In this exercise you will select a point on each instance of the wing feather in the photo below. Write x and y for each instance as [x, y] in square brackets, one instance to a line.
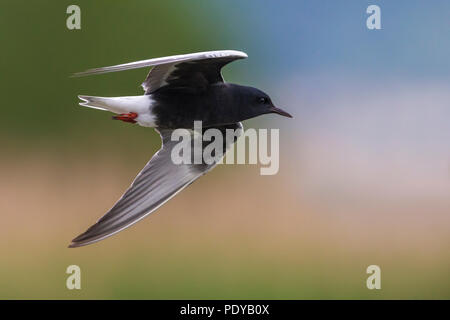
[158, 181]
[193, 69]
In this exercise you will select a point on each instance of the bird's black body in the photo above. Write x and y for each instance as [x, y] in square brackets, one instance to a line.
[215, 105]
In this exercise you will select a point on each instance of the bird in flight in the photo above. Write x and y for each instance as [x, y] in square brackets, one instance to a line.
[179, 90]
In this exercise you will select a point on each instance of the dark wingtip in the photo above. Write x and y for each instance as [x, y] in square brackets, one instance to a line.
[75, 244]
[79, 74]
[87, 73]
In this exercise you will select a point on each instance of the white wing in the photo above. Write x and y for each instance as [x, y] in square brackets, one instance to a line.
[193, 69]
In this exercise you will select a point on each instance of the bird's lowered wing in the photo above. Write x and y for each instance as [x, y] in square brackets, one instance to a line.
[160, 180]
[186, 70]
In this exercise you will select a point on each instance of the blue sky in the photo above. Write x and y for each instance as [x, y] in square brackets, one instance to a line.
[325, 35]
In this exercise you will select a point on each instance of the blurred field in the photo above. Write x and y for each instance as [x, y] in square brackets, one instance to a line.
[253, 238]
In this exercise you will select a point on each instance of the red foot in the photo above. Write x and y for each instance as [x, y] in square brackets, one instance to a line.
[126, 117]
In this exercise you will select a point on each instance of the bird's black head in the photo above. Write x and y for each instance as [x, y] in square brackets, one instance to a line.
[254, 102]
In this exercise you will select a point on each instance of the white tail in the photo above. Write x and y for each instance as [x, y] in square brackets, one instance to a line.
[137, 104]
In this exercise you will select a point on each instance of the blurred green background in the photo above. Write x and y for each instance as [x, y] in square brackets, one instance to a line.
[364, 164]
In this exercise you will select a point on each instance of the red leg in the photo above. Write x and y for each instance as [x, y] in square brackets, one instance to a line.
[127, 117]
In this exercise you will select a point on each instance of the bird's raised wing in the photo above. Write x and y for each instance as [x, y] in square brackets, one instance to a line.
[160, 180]
[186, 70]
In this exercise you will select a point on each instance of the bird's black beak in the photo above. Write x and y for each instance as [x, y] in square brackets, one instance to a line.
[279, 111]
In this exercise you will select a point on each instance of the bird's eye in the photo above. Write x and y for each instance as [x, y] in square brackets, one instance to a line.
[263, 100]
